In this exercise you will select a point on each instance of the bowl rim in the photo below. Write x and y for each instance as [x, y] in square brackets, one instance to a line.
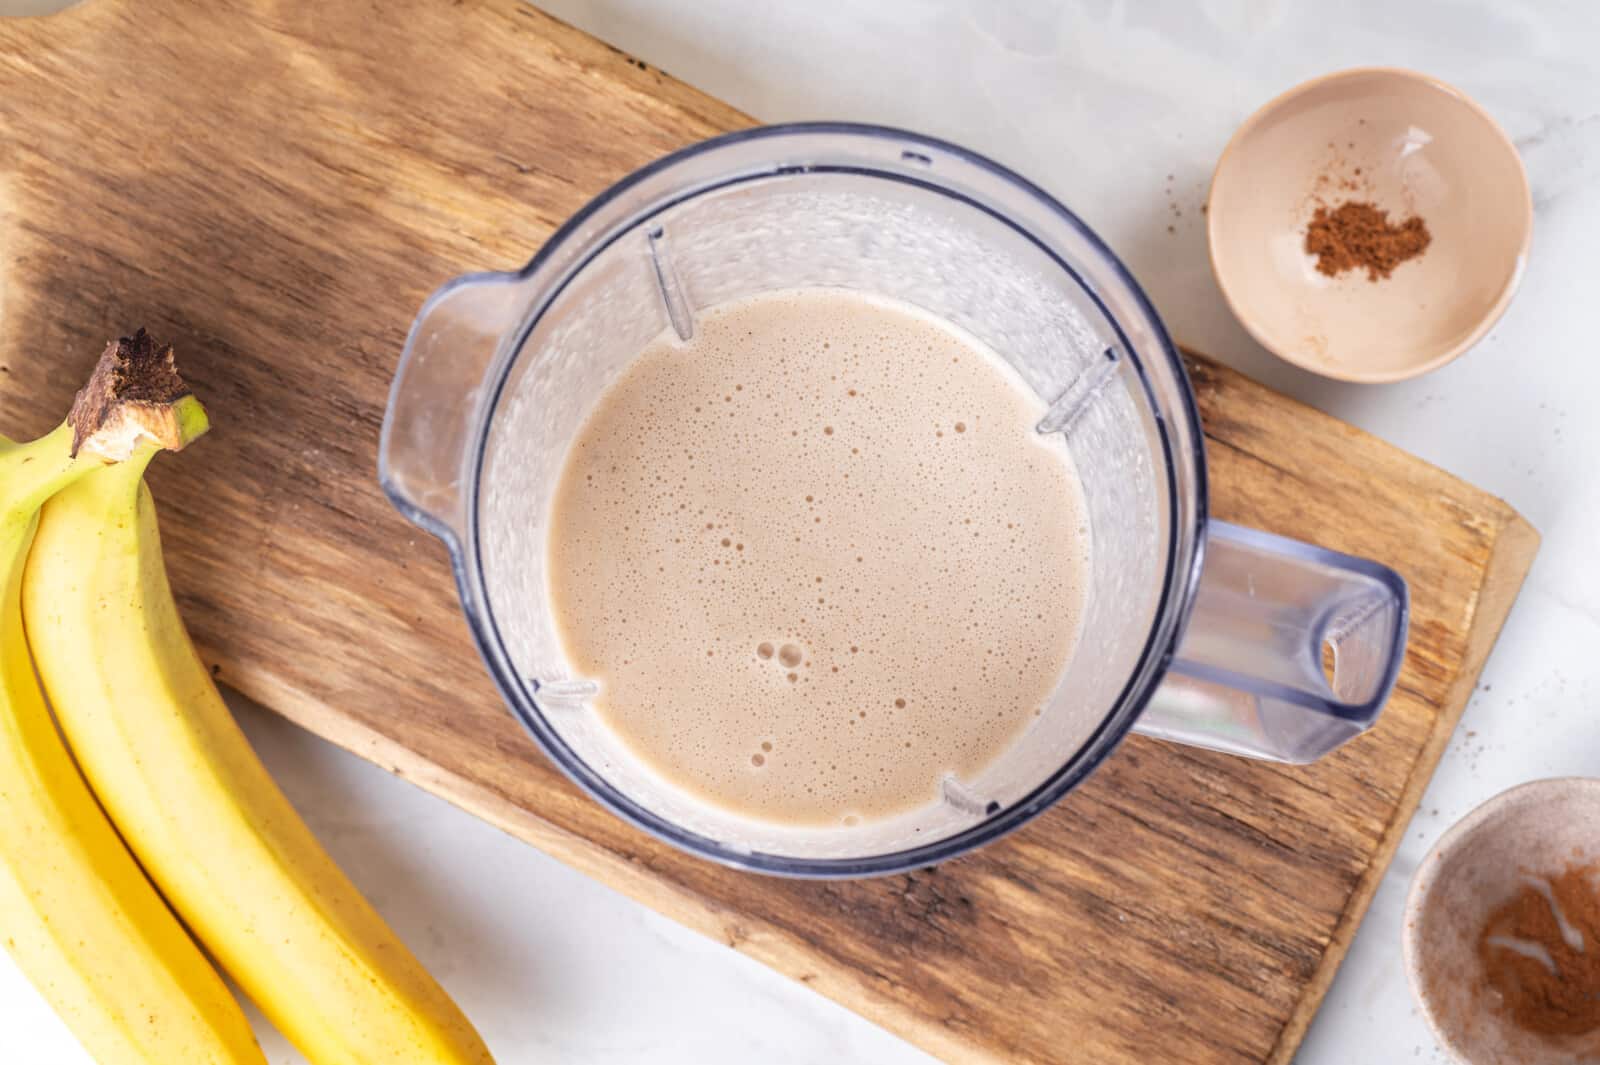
[1424, 880]
[1486, 322]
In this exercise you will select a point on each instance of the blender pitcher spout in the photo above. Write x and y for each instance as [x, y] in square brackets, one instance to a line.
[1291, 650]
[438, 396]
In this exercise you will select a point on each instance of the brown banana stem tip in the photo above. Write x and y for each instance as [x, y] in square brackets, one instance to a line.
[135, 394]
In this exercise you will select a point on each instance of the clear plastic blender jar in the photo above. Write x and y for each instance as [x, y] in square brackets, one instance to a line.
[1196, 631]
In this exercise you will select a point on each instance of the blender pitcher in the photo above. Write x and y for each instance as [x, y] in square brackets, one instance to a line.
[1195, 630]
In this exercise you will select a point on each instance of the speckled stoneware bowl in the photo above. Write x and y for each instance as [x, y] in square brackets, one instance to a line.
[1410, 145]
[1534, 829]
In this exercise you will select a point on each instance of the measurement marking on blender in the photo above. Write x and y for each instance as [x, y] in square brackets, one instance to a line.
[1071, 404]
[957, 795]
[565, 694]
[669, 287]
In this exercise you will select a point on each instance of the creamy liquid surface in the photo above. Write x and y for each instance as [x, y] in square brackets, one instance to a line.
[817, 558]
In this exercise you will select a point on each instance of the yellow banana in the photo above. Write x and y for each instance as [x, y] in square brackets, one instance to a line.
[76, 912]
[188, 793]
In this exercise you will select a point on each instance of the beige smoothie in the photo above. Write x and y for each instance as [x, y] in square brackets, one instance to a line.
[817, 558]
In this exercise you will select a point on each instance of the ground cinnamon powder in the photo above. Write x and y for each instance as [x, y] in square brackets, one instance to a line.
[1359, 236]
[1547, 975]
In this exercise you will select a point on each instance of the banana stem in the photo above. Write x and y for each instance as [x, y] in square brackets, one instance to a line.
[134, 398]
[134, 404]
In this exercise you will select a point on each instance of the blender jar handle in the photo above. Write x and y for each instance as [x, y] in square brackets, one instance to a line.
[442, 379]
[1291, 650]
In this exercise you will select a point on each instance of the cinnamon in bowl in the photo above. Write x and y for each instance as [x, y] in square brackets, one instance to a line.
[1358, 235]
[1502, 931]
[1370, 225]
[1540, 953]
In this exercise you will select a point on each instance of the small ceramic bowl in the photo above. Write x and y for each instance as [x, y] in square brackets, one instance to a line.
[1408, 144]
[1536, 829]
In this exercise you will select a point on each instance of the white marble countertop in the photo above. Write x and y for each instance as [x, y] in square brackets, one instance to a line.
[1099, 101]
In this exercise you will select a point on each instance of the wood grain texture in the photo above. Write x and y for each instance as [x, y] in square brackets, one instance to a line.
[276, 186]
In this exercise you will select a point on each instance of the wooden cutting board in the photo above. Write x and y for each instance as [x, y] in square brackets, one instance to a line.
[277, 184]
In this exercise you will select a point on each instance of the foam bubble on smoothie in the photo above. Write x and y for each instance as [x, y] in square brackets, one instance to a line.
[817, 557]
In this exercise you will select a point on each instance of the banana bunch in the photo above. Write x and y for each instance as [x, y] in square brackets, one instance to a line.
[172, 808]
